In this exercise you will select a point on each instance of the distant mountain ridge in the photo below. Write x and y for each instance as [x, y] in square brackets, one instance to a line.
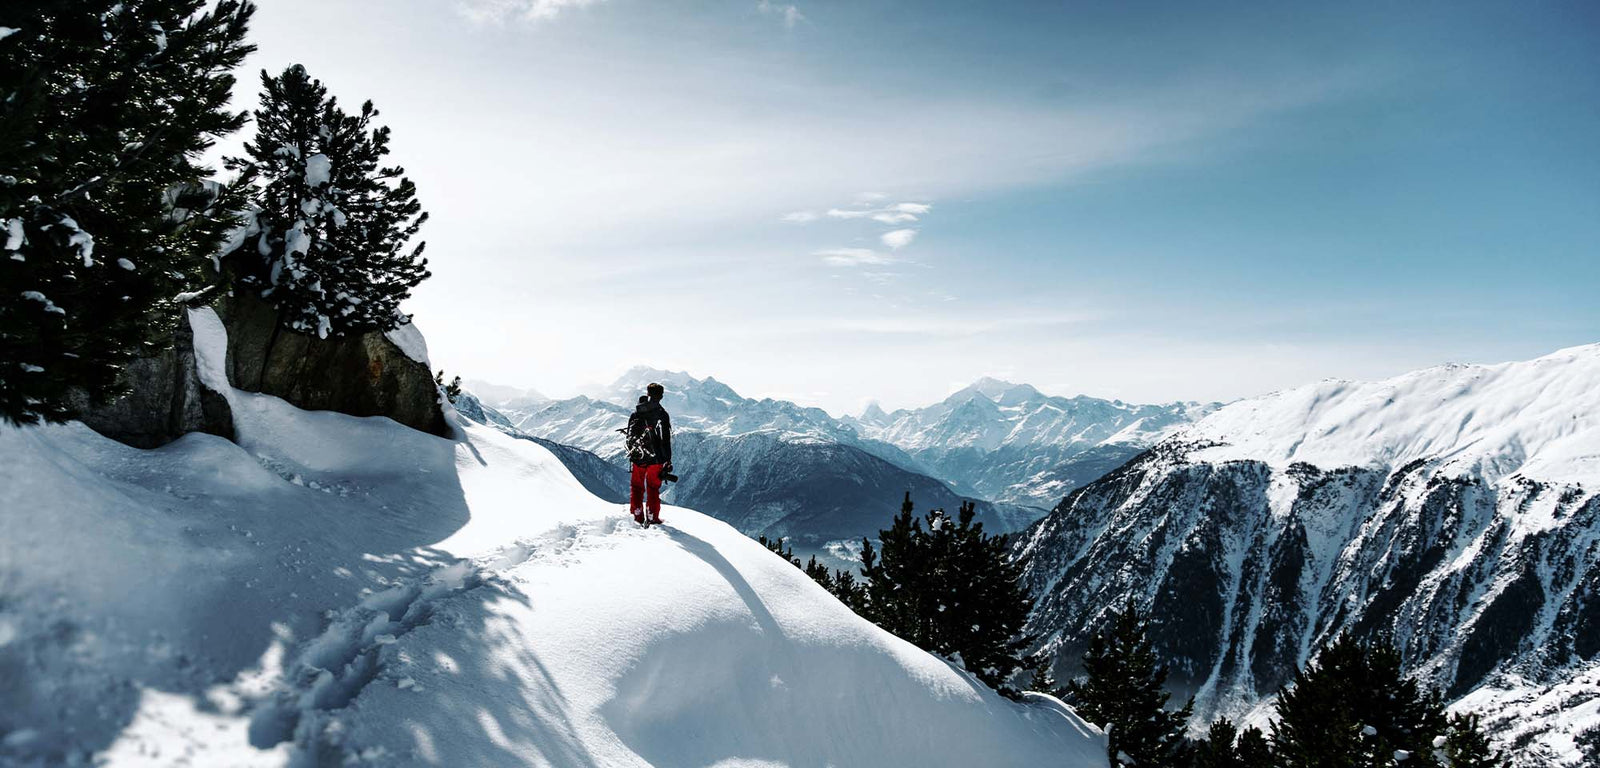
[591, 421]
[769, 467]
[777, 468]
[1013, 443]
[992, 440]
[1452, 508]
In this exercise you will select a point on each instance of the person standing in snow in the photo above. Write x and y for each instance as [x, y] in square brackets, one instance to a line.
[649, 443]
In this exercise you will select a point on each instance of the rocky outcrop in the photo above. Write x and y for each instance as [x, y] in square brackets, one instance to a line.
[166, 400]
[365, 375]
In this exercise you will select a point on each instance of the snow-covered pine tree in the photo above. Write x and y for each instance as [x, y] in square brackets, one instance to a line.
[106, 223]
[1352, 708]
[893, 572]
[335, 223]
[1123, 688]
[950, 589]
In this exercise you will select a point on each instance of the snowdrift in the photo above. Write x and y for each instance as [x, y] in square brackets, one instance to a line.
[335, 590]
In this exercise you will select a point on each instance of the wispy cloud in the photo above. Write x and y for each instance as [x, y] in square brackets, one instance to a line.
[855, 257]
[899, 238]
[498, 11]
[870, 206]
[790, 14]
[899, 213]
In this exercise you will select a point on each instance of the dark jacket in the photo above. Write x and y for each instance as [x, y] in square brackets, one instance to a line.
[649, 435]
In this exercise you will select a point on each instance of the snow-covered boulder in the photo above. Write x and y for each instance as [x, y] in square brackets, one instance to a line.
[373, 374]
[165, 400]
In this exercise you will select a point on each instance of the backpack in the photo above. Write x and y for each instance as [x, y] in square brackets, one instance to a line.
[643, 436]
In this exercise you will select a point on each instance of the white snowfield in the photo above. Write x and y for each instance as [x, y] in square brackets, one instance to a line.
[1539, 418]
[345, 591]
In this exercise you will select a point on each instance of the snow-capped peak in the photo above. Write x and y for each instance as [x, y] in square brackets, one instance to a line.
[1540, 418]
[873, 413]
[639, 376]
[997, 390]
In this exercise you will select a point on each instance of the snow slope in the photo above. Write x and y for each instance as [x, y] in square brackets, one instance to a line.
[339, 590]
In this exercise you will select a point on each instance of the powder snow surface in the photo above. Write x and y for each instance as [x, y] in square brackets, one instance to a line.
[1539, 418]
[334, 590]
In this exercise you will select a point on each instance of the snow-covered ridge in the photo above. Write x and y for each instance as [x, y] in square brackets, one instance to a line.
[342, 590]
[1539, 418]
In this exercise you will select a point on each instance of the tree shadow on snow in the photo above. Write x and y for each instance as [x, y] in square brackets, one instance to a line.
[261, 549]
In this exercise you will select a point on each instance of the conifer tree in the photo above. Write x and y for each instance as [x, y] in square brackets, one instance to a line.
[335, 223]
[851, 591]
[1217, 749]
[105, 224]
[1352, 708]
[1466, 746]
[779, 548]
[1253, 750]
[819, 573]
[840, 583]
[451, 390]
[1123, 689]
[951, 589]
[1043, 679]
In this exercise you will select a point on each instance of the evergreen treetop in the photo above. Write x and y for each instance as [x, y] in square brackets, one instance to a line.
[106, 222]
[1352, 708]
[1123, 689]
[335, 223]
[951, 589]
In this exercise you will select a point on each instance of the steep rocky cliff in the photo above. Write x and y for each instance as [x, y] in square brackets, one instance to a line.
[1452, 508]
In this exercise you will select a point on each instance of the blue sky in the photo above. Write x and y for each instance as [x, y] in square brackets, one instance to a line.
[833, 202]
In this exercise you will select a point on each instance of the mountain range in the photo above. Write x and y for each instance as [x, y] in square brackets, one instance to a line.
[1452, 509]
[1013, 443]
[776, 468]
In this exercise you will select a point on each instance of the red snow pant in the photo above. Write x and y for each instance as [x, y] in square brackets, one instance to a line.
[645, 488]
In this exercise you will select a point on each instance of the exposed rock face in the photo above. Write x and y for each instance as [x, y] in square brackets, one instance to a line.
[167, 400]
[1453, 510]
[365, 375]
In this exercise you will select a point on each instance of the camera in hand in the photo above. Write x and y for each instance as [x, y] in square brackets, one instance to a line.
[669, 477]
